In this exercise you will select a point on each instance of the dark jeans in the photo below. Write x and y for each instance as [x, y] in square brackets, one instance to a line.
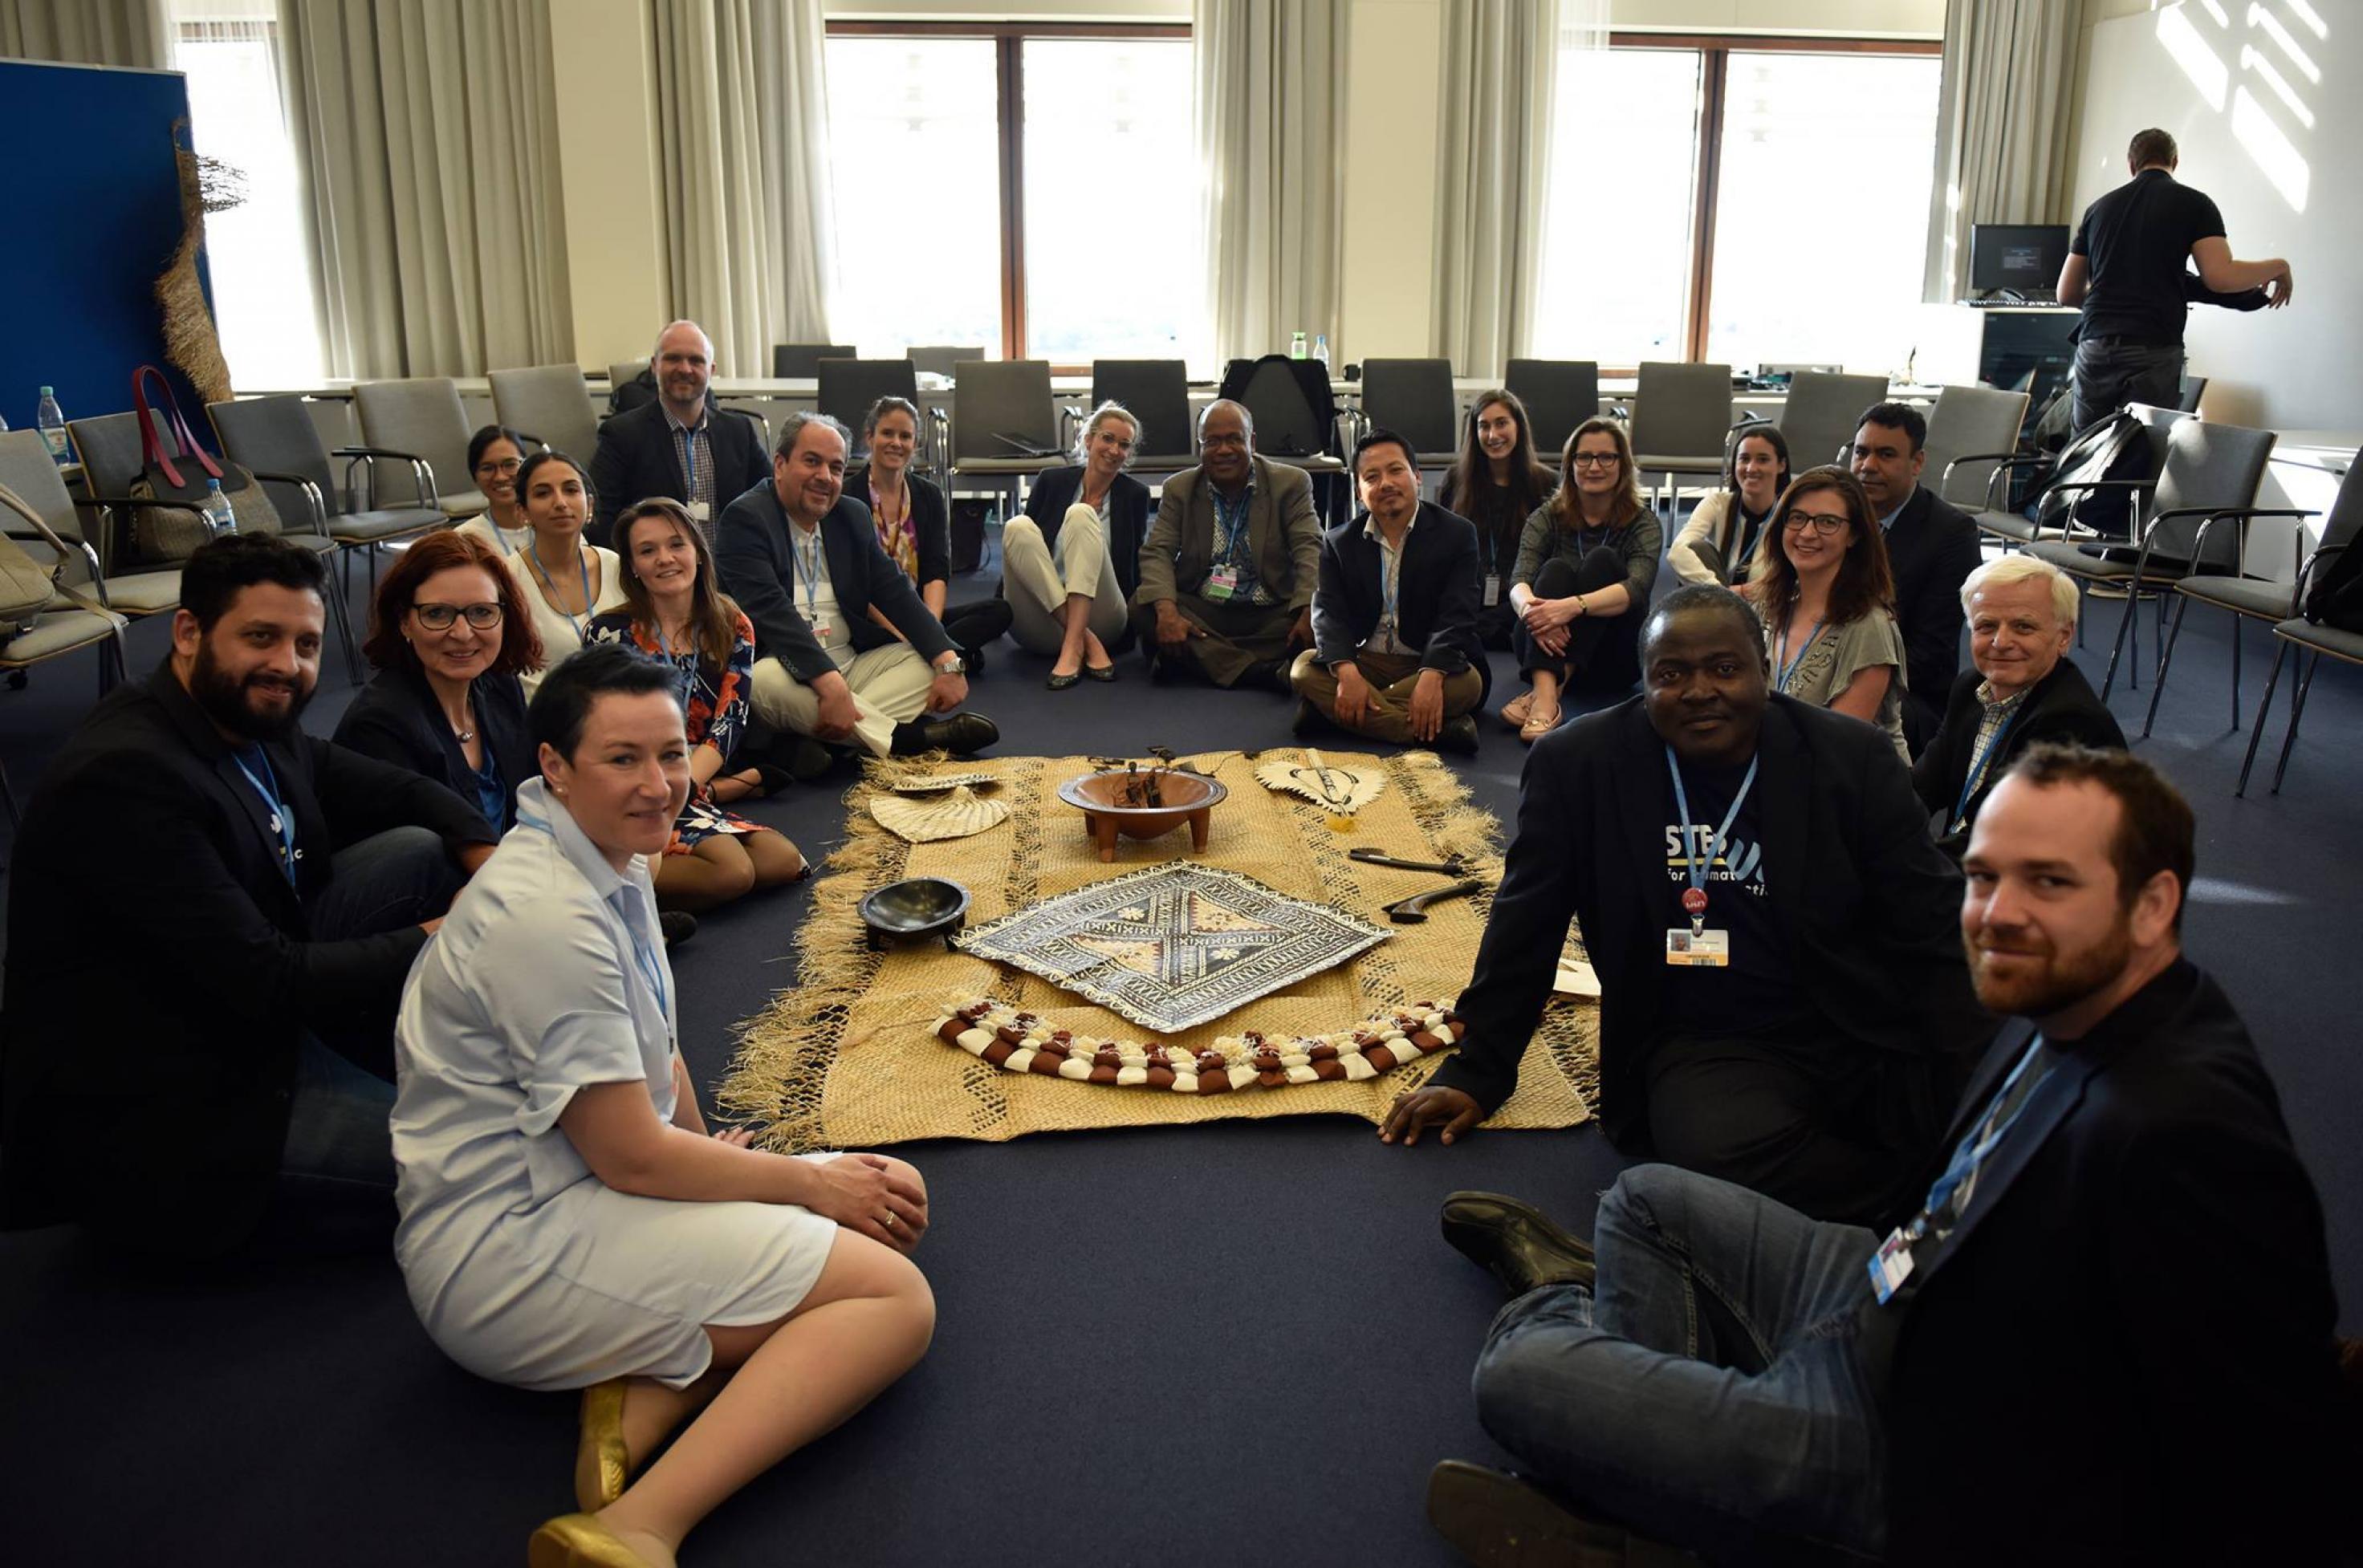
[1720, 1390]
[335, 1189]
[1592, 641]
[2112, 372]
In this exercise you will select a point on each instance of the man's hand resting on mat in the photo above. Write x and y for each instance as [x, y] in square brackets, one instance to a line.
[1434, 1106]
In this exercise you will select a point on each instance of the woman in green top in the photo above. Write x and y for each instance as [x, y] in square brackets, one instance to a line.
[1822, 582]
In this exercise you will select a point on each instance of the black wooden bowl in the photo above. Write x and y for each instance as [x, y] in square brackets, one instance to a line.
[918, 906]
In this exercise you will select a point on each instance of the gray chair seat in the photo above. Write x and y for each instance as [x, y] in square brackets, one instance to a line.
[2246, 595]
[136, 593]
[56, 632]
[460, 507]
[386, 523]
[2008, 526]
[2076, 562]
[318, 544]
[2330, 640]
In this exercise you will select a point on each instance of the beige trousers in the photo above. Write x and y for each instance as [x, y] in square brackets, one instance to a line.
[1391, 677]
[1037, 585]
[890, 686]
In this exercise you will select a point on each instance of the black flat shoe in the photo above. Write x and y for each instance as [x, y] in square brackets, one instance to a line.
[1496, 1519]
[1102, 672]
[962, 734]
[1517, 1242]
[1061, 682]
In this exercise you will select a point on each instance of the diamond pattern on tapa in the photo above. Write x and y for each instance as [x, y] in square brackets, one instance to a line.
[1173, 945]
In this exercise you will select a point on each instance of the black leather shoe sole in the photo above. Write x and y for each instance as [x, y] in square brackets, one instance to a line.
[1515, 1242]
[962, 734]
[1496, 1520]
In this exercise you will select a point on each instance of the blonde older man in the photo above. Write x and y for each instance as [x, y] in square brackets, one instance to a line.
[2022, 689]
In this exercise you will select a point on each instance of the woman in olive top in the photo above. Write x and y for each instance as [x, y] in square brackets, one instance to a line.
[1497, 482]
[1822, 582]
[1716, 544]
[1581, 585]
[915, 528]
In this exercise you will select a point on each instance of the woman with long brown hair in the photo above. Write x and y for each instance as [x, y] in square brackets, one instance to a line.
[675, 612]
[1497, 482]
[1822, 582]
[1580, 588]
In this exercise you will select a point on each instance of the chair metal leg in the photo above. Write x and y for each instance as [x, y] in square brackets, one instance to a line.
[2117, 647]
[2165, 657]
[2237, 621]
[2257, 730]
[8, 794]
[2297, 713]
[344, 615]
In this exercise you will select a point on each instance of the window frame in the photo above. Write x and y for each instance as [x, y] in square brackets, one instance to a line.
[1009, 39]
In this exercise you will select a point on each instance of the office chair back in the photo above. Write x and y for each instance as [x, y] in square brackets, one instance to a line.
[848, 387]
[1003, 408]
[1413, 398]
[1682, 415]
[1819, 415]
[2194, 389]
[1967, 420]
[1289, 423]
[423, 417]
[1559, 395]
[549, 402]
[943, 359]
[1157, 393]
[27, 467]
[803, 358]
[2208, 465]
[275, 435]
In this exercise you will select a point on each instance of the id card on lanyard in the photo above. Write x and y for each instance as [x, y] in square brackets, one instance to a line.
[1700, 946]
[808, 565]
[282, 815]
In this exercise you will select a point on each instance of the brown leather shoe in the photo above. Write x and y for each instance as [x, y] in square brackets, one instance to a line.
[1515, 1241]
[1496, 1519]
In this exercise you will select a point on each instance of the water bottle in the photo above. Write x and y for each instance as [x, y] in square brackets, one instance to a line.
[51, 423]
[218, 516]
[1321, 349]
[1296, 346]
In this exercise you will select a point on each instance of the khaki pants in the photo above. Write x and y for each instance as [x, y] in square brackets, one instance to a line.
[1238, 637]
[1391, 677]
[890, 686]
[1037, 585]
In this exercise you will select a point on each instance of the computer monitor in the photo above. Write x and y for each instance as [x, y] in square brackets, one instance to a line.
[2024, 256]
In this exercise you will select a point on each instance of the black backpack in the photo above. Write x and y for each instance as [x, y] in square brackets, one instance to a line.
[2334, 596]
[1297, 417]
[2116, 447]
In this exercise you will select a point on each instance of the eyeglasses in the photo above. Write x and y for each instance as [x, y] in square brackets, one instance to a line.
[1597, 459]
[1822, 523]
[439, 617]
[506, 466]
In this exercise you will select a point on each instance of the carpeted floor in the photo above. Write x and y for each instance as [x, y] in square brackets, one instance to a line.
[1238, 1343]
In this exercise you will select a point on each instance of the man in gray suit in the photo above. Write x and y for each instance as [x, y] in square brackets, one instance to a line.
[1227, 577]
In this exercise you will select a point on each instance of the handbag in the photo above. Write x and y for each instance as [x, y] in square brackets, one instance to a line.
[166, 535]
[28, 588]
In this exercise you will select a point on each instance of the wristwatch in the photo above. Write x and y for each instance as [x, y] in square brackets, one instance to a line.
[958, 666]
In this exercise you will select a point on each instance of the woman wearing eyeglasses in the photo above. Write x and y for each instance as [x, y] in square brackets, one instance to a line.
[1581, 589]
[494, 455]
[1822, 582]
[449, 638]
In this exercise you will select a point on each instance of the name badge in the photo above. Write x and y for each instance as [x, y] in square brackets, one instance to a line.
[822, 631]
[1492, 589]
[1891, 1265]
[1221, 584]
[699, 510]
[1698, 949]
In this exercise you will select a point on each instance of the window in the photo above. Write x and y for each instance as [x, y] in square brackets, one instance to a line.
[1063, 153]
[256, 253]
[1678, 170]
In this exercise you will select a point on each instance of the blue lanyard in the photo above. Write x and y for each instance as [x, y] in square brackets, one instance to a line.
[1977, 766]
[581, 565]
[689, 459]
[1231, 534]
[651, 970]
[1781, 678]
[1390, 586]
[1972, 1150]
[1696, 867]
[808, 566]
[283, 821]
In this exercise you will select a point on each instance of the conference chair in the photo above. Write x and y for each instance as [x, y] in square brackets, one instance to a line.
[1682, 419]
[1819, 416]
[112, 461]
[72, 621]
[1559, 395]
[941, 360]
[1005, 423]
[2252, 598]
[2211, 471]
[2058, 473]
[423, 417]
[1413, 398]
[1157, 392]
[551, 403]
[799, 359]
[127, 588]
[1970, 429]
[2193, 388]
[2314, 641]
[849, 386]
[275, 439]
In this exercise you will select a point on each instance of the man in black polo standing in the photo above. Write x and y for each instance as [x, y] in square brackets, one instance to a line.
[2125, 267]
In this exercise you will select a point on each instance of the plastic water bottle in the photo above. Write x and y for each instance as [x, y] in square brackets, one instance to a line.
[1321, 349]
[218, 516]
[51, 423]
[1296, 346]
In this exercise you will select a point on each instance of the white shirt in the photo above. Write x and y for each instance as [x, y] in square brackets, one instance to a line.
[563, 633]
[816, 596]
[1385, 637]
[502, 541]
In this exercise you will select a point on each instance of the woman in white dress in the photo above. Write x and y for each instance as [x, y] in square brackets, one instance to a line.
[567, 1221]
[495, 453]
[564, 580]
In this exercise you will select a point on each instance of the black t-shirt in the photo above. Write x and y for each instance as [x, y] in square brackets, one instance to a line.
[1757, 993]
[2137, 241]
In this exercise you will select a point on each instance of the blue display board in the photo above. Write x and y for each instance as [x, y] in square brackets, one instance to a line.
[92, 191]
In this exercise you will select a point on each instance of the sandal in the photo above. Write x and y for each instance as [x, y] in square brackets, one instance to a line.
[1514, 711]
[1538, 726]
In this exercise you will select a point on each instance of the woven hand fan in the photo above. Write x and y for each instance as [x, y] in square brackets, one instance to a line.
[956, 815]
[1343, 791]
[936, 784]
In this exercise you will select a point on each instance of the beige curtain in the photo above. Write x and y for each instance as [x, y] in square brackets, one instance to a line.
[2002, 125]
[1271, 84]
[742, 116]
[1500, 61]
[87, 32]
[427, 131]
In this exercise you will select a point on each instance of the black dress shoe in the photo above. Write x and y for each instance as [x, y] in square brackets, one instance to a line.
[1062, 682]
[962, 734]
[677, 926]
[1102, 672]
[1457, 736]
[1496, 1519]
[1515, 1241]
[1307, 720]
[974, 659]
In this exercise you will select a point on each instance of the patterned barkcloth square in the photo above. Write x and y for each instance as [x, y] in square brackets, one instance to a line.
[1173, 945]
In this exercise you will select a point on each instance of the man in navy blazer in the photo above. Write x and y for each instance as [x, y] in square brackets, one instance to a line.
[1395, 652]
[2103, 1335]
[1932, 546]
[680, 445]
[845, 650]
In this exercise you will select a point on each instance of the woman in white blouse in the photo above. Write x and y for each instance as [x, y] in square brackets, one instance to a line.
[567, 1221]
[564, 580]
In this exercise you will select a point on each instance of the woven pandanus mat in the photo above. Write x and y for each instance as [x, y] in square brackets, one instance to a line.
[851, 1057]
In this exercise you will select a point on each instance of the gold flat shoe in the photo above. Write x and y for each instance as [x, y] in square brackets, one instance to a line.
[1538, 726]
[578, 1540]
[1513, 711]
[602, 1466]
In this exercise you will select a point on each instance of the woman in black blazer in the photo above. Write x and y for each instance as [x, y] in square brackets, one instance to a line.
[1045, 621]
[448, 636]
[915, 528]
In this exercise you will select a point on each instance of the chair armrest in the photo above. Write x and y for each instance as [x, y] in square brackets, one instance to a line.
[2002, 462]
[2105, 484]
[1745, 420]
[422, 474]
[528, 435]
[312, 497]
[2306, 573]
[2241, 517]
